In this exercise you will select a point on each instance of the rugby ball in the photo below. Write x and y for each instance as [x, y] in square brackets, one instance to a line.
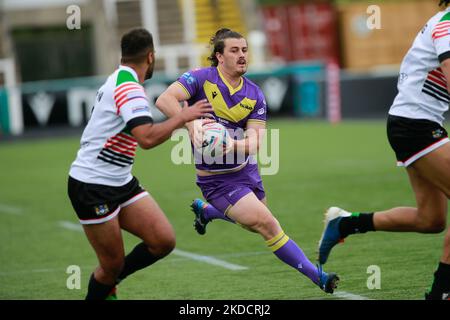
[214, 140]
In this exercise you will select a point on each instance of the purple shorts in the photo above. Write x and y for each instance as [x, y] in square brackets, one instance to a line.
[224, 190]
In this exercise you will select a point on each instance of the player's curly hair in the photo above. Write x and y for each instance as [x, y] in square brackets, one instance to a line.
[444, 3]
[217, 43]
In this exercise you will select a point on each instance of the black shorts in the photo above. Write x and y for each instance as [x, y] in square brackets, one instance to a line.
[96, 203]
[411, 139]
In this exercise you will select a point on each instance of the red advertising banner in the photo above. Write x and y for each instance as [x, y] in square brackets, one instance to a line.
[302, 32]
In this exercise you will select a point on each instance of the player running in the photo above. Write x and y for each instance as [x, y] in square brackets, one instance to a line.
[105, 195]
[234, 190]
[415, 132]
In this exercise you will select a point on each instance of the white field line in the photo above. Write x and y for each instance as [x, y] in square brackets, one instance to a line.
[28, 271]
[211, 260]
[70, 225]
[4, 208]
[349, 296]
[229, 255]
[46, 270]
[185, 254]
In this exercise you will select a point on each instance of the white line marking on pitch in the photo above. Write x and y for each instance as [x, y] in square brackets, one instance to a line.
[29, 271]
[209, 260]
[229, 255]
[70, 225]
[206, 259]
[349, 296]
[10, 209]
[55, 270]
[193, 256]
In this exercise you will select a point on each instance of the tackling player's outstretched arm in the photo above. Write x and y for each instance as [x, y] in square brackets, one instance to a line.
[169, 104]
[150, 135]
[169, 101]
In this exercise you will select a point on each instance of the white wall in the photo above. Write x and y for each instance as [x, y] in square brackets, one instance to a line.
[33, 4]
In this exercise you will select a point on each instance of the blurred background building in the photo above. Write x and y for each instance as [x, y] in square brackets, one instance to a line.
[50, 68]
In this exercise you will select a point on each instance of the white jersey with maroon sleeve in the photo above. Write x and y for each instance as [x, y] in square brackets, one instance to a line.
[422, 85]
[107, 148]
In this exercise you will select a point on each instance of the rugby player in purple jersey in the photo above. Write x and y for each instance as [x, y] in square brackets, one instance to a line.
[232, 186]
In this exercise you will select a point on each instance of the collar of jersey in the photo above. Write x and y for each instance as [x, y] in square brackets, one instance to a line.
[230, 88]
[131, 70]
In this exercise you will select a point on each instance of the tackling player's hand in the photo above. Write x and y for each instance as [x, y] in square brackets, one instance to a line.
[195, 129]
[199, 109]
